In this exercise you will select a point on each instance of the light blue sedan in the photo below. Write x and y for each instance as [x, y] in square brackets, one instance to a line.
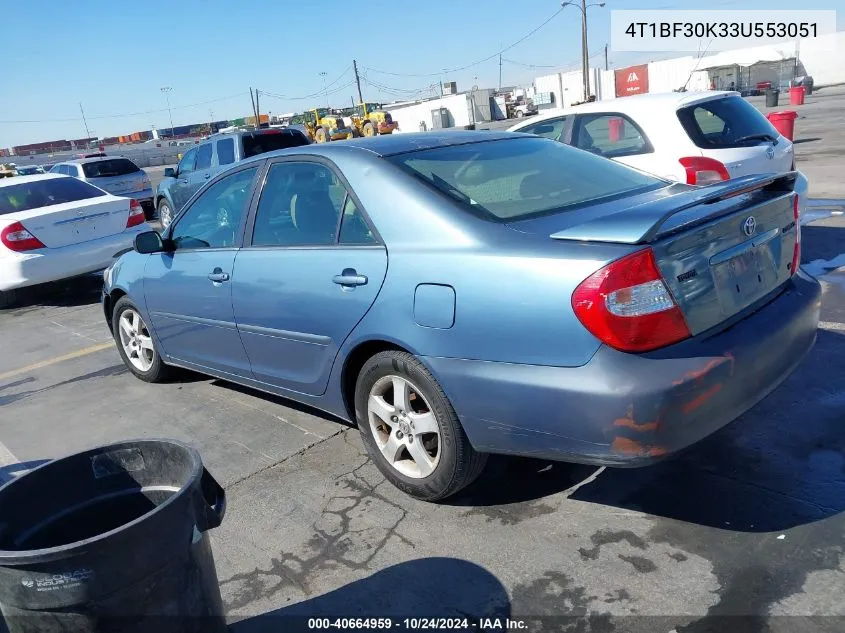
[463, 293]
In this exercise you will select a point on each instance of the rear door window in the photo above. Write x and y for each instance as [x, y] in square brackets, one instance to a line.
[44, 193]
[204, 156]
[610, 135]
[108, 168]
[725, 123]
[272, 140]
[226, 151]
[550, 128]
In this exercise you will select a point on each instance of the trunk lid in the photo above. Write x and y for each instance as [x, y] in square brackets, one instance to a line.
[120, 185]
[719, 248]
[755, 159]
[74, 222]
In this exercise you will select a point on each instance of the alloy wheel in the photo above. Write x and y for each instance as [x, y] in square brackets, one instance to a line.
[135, 340]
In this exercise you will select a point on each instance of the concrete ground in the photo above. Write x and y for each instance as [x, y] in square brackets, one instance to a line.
[744, 532]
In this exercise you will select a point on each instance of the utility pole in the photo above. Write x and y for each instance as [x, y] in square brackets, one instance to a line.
[358, 82]
[252, 100]
[167, 90]
[500, 71]
[87, 132]
[585, 55]
[325, 91]
[606, 67]
[257, 111]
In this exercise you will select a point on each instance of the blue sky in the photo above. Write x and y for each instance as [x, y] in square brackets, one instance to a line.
[115, 56]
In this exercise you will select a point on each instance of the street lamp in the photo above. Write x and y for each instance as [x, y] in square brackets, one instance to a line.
[325, 92]
[167, 90]
[585, 55]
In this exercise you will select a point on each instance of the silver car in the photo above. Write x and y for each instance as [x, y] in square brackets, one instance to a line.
[116, 174]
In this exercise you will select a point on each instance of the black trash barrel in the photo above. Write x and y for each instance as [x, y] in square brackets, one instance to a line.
[772, 95]
[113, 539]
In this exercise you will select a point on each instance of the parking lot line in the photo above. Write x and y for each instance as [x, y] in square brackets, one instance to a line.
[6, 457]
[85, 351]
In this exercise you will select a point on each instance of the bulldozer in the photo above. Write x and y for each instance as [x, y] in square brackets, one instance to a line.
[369, 120]
[322, 126]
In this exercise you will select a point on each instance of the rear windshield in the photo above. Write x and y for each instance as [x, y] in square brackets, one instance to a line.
[515, 179]
[43, 193]
[722, 123]
[261, 142]
[108, 168]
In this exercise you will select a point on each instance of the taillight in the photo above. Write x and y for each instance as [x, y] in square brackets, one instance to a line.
[796, 253]
[627, 305]
[136, 214]
[704, 171]
[16, 238]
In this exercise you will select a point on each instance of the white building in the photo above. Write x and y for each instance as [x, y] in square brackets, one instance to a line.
[449, 111]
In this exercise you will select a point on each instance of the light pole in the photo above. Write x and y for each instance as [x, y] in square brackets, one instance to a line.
[585, 55]
[167, 90]
[325, 92]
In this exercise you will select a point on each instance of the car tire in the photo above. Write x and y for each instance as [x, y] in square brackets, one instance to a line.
[520, 114]
[165, 213]
[449, 462]
[8, 298]
[142, 360]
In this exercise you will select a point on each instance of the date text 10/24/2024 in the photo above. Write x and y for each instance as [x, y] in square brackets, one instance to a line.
[417, 624]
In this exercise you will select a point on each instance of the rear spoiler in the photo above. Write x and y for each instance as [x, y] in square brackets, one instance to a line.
[646, 222]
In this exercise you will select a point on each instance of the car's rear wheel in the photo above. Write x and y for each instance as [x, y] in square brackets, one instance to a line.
[410, 429]
[135, 343]
[165, 213]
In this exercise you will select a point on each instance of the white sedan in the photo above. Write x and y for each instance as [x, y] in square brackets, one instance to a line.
[54, 227]
[692, 137]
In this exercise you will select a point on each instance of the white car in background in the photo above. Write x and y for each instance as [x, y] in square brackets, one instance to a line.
[692, 137]
[54, 227]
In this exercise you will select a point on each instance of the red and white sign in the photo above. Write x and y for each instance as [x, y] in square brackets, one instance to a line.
[632, 80]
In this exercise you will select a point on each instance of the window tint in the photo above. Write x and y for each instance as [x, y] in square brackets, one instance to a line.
[186, 165]
[271, 140]
[518, 178]
[353, 227]
[43, 193]
[204, 156]
[72, 170]
[609, 135]
[300, 205]
[226, 151]
[108, 168]
[551, 128]
[729, 122]
[212, 221]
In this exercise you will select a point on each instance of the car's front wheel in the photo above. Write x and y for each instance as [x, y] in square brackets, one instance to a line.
[165, 213]
[135, 343]
[411, 430]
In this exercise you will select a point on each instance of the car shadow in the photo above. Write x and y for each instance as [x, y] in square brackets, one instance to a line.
[78, 291]
[779, 466]
[427, 587]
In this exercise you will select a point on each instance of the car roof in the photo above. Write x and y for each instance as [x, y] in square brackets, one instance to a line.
[19, 180]
[635, 103]
[392, 144]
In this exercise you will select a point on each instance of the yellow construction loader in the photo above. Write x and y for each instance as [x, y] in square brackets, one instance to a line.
[369, 120]
[323, 128]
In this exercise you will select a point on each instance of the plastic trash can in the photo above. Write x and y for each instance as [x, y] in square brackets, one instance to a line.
[796, 95]
[615, 129]
[112, 539]
[772, 97]
[784, 122]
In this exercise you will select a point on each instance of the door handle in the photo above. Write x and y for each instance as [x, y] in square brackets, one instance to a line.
[207, 176]
[217, 275]
[184, 181]
[349, 277]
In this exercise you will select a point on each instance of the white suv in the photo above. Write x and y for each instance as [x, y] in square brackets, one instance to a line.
[692, 137]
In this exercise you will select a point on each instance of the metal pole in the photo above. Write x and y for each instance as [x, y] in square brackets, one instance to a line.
[585, 60]
[357, 81]
[605, 58]
[166, 90]
[257, 111]
[500, 71]
[87, 133]
[325, 91]
[252, 101]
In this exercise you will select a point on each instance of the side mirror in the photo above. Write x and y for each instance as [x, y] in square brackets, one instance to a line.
[149, 242]
[169, 172]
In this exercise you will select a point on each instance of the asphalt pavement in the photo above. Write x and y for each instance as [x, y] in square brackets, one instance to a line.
[743, 532]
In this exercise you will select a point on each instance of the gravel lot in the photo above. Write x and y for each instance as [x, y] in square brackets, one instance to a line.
[744, 532]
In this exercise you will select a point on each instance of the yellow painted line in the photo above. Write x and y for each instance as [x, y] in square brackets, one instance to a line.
[85, 351]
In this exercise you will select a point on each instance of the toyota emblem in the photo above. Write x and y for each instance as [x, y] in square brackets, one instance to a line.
[770, 152]
[749, 226]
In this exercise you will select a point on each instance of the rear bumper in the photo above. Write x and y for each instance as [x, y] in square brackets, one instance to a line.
[18, 270]
[630, 410]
